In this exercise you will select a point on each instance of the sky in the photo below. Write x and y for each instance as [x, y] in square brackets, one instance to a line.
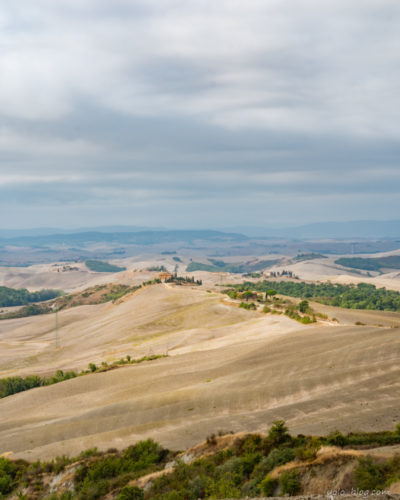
[198, 113]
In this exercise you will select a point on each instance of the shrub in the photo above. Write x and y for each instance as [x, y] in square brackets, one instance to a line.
[223, 488]
[95, 479]
[304, 306]
[309, 450]
[336, 438]
[306, 320]
[8, 472]
[90, 452]
[369, 474]
[268, 486]
[290, 482]
[249, 306]
[231, 466]
[373, 474]
[279, 456]
[276, 457]
[130, 493]
[211, 439]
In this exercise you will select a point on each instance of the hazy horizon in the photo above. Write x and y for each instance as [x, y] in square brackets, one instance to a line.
[364, 229]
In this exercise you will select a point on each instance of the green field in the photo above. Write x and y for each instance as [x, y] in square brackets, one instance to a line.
[216, 266]
[370, 264]
[100, 266]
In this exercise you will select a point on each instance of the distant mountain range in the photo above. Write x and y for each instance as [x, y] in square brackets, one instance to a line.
[148, 235]
[46, 231]
[127, 238]
[317, 230]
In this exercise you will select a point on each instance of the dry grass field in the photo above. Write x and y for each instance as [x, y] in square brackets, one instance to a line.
[227, 369]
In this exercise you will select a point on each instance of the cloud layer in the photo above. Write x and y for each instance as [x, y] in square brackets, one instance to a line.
[198, 113]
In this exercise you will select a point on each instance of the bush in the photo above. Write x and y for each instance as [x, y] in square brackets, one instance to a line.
[304, 306]
[98, 477]
[130, 493]
[197, 487]
[268, 486]
[8, 472]
[290, 482]
[309, 450]
[223, 488]
[211, 439]
[249, 306]
[336, 438]
[279, 456]
[369, 474]
[306, 320]
[373, 474]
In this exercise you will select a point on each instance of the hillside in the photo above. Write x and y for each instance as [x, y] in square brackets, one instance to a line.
[223, 466]
[227, 368]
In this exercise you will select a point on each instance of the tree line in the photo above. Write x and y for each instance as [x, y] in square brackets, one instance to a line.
[21, 296]
[361, 296]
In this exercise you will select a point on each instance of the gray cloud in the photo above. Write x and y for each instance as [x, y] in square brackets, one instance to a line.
[198, 112]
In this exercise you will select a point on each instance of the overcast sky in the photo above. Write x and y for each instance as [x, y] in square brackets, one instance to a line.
[198, 113]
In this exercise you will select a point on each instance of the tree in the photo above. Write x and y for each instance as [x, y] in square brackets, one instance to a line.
[279, 433]
[304, 306]
[247, 295]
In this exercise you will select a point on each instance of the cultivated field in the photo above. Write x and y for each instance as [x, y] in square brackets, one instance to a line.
[227, 369]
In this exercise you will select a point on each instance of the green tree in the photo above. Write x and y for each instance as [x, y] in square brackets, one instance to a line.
[279, 433]
[247, 295]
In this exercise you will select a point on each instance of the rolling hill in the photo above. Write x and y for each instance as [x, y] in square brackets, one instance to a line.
[227, 369]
